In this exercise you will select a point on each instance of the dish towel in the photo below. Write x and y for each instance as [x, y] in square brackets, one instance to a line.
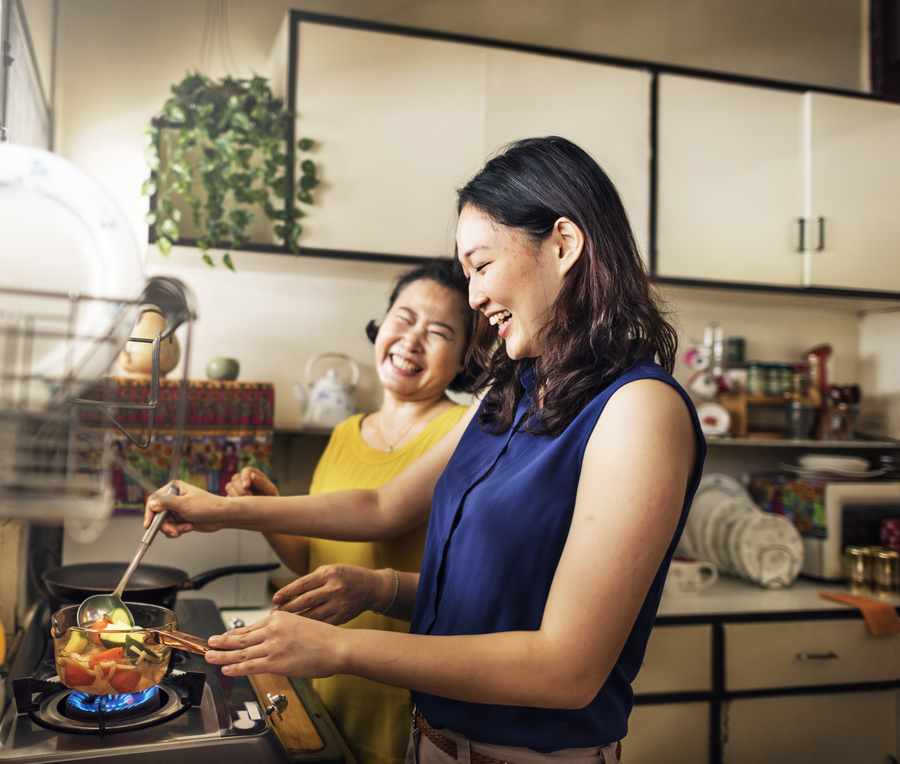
[880, 617]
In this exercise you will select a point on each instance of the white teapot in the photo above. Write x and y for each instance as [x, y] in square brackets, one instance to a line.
[329, 400]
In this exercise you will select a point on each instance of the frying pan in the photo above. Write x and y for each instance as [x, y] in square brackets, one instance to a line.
[150, 584]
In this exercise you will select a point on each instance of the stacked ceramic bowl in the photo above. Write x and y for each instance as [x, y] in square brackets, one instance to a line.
[726, 528]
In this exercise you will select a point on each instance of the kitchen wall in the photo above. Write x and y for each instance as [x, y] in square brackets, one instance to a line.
[116, 60]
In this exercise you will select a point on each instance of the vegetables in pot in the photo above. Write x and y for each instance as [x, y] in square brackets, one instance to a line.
[109, 658]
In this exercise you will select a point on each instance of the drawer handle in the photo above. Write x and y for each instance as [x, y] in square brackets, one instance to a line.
[831, 656]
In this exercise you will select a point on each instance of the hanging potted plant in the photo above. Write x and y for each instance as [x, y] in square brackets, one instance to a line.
[218, 152]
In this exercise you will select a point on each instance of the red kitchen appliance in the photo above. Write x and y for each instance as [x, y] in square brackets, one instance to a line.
[196, 714]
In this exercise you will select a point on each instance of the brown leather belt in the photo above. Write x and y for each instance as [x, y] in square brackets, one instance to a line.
[449, 747]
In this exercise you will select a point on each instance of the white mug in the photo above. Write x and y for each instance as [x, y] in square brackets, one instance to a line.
[689, 576]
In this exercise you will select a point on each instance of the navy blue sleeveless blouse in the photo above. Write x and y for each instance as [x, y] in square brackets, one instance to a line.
[500, 518]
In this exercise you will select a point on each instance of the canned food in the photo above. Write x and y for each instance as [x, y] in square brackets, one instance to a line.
[756, 382]
[887, 572]
[773, 379]
[858, 568]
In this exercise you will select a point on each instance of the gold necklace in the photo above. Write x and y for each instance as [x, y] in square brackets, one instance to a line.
[390, 446]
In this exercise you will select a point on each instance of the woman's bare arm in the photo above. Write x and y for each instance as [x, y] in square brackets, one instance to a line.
[355, 515]
[635, 474]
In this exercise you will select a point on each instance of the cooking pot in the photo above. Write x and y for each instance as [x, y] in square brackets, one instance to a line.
[114, 660]
[150, 584]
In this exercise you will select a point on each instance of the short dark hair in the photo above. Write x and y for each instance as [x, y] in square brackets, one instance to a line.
[448, 273]
[606, 316]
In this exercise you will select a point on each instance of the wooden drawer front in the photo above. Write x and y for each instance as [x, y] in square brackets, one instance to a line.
[858, 727]
[678, 659]
[806, 653]
[673, 733]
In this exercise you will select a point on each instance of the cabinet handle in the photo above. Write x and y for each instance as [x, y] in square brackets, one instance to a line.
[831, 656]
[820, 223]
[801, 240]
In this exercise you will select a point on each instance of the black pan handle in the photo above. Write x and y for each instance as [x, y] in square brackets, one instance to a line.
[202, 579]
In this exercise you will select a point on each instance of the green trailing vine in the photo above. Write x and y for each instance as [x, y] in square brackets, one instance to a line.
[228, 138]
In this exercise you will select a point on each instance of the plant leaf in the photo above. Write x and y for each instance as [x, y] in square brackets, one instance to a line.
[208, 260]
[305, 144]
[165, 246]
[226, 261]
[169, 229]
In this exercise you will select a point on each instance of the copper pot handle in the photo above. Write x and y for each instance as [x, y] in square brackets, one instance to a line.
[180, 641]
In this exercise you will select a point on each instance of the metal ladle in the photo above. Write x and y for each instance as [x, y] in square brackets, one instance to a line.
[176, 303]
[97, 606]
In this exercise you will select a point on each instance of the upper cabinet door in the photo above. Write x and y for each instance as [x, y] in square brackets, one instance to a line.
[604, 109]
[398, 125]
[854, 165]
[730, 180]
[402, 122]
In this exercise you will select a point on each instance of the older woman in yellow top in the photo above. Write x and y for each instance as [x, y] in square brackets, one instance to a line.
[420, 350]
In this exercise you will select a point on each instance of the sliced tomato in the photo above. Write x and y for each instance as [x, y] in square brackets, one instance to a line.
[126, 681]
[75, 676]
[101, 624]
[113, 654]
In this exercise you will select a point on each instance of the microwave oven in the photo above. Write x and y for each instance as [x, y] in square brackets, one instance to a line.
[848, 514]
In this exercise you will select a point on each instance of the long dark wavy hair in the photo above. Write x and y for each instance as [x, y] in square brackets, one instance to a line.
[448, 273]
[606, 316]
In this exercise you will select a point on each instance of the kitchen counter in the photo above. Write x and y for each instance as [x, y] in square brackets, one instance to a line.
[731, 596]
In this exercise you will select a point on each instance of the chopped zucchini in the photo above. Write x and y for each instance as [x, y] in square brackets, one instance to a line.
[120, 616]
[113, 638]
[135, 647]
[76, 644]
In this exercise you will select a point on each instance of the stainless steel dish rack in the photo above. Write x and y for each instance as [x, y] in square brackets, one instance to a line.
[53, 463]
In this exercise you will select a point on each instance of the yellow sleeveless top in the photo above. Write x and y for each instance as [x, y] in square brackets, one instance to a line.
[373, 718]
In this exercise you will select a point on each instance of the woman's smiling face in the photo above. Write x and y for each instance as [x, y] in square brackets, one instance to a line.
[420, 343]
[512, 281]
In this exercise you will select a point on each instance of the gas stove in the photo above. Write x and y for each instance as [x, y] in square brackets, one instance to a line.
[196, 714]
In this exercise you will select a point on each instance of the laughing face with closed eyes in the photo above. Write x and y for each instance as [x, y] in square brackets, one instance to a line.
[420, 343]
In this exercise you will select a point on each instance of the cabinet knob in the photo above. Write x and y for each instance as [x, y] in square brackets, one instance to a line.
[279, 703]
[830, 656]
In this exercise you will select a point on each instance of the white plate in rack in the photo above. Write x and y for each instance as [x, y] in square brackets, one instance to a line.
[770, 550]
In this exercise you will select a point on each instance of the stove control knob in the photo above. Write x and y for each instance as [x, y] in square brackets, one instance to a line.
[235, 623]
[279, 703]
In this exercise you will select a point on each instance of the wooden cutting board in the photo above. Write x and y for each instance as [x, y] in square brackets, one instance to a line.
[295, 729]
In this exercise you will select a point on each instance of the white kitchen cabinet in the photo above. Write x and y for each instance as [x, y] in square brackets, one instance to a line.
[677, 659]
[603, 109]
[402, 121]
[765, 675]
[834, 728]
[730, 182]
[762, 656]
[854, 190]
[675, 733]
[740, 165]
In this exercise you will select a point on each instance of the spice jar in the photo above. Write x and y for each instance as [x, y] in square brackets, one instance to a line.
[858, 568]
[886, 572]
[756, 383]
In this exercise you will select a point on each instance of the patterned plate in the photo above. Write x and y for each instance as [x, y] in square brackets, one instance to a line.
[770, 550]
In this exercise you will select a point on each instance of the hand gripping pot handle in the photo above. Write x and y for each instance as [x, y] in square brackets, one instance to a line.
[310, 365]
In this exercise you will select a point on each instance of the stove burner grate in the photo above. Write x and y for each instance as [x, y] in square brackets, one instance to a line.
[54, 709]
[80, 705]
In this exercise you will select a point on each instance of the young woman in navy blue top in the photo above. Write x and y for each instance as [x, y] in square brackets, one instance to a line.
[555, 505]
